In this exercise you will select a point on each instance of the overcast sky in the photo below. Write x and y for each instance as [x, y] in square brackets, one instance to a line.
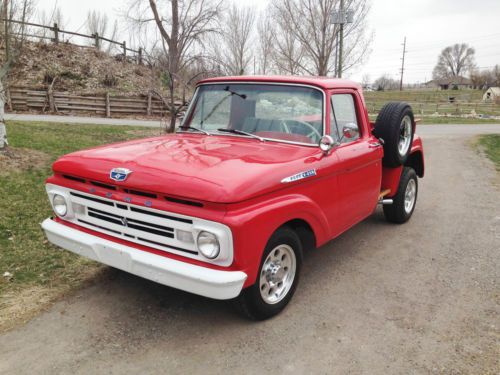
[429, 26]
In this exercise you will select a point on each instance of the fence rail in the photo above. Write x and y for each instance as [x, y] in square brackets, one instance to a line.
[22, 99]
[95, 37]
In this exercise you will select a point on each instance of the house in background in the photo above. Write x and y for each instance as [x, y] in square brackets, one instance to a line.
[492, 94]
[451, 83]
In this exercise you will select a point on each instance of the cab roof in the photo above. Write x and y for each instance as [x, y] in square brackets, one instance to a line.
[321, 82]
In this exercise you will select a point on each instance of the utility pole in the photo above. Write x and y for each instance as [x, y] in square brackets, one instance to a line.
[340, 17]
[341, 40]
[402, 66]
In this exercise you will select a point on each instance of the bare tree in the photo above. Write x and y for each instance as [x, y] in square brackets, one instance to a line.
[483, 79]
[385, 82]
[12, 38]
[365, 81]
[288, 56]
[181, 27]
[265, 33]
[308, 22]
[231, 47]
[97, 24]
[49, 18]
[456, 60]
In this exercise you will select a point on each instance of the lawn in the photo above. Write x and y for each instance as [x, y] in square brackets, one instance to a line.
[447, 120]
[28, 263]
[428, 103]
[491, 145]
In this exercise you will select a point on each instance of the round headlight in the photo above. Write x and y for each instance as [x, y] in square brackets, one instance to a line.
[60, 205]
[208, 244]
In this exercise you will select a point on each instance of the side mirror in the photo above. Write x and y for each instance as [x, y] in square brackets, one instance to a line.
[350, 131]
[326, 144]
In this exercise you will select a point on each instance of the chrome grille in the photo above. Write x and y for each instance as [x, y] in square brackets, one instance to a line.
[141, 225]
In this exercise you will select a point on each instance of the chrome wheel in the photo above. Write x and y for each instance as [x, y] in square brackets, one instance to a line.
[404, 136]
[410, 195]
[278, 273]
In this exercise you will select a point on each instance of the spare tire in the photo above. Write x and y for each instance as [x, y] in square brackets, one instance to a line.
[394, 125]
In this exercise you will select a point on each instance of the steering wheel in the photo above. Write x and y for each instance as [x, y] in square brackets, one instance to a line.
[313, 132]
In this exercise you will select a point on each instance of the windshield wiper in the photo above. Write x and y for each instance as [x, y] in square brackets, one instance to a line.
[193, 128]
[240, 132]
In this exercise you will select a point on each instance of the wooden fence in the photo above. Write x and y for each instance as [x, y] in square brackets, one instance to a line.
[127, 53]
[432, 108]
[21, 99]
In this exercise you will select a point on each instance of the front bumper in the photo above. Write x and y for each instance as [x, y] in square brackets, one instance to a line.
[188, 277]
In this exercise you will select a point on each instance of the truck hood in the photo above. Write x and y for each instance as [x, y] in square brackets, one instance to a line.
[222, 169]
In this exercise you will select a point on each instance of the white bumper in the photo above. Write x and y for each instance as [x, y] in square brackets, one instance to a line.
[195, 279]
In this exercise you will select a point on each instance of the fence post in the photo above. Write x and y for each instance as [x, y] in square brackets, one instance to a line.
[8, 98]
[140, 56]
[124, 49]
[148, 111]
[56, 33]
[97, 41]
[50, 97]
[108, 106]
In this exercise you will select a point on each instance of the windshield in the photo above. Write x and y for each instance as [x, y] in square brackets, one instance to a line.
[280, 112]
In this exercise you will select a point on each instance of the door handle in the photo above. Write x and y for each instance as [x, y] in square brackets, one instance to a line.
[374, 145]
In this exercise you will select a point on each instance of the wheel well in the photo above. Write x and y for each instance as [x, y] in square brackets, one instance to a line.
[416, 161]
[304, 231]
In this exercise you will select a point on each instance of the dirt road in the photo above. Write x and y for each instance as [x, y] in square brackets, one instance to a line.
[382, 299]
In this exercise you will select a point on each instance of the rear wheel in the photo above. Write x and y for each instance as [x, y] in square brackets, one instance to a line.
[277, 279]
[405, 199]
[394, 125]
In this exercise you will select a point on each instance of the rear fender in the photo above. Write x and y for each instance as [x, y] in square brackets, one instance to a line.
[416, 158]
[391, 176]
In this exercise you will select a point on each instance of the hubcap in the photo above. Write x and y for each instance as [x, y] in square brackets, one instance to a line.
[404, 135]
[277, 275]
[410, 195]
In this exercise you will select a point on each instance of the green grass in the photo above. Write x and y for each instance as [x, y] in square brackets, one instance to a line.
[24, 252]
[430, 102]
[424, 95]
[491, 145]
[456, 120]
[448, 120]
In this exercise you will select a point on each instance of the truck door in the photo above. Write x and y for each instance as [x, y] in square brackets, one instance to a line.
[359, 168]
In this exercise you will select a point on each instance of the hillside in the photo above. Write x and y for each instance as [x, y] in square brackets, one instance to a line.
[82, 70]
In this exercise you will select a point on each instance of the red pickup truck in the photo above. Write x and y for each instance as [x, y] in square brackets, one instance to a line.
[260, 170]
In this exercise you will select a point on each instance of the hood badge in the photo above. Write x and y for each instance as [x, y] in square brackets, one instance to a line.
[299, 176]
[119, 174]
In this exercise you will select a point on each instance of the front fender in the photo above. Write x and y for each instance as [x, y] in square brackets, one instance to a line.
[253, 223]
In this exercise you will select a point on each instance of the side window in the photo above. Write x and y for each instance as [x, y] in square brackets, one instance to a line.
[344, 112]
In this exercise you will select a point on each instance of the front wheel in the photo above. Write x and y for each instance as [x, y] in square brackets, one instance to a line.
[405, 199]
[277, 279]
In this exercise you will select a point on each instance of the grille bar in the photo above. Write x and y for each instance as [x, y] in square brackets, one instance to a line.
[102, 201]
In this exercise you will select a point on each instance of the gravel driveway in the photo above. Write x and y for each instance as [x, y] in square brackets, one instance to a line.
[382, 299]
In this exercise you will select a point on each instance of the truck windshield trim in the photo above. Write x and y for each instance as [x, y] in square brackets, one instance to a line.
[225, 86]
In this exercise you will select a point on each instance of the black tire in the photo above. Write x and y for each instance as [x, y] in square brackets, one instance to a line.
[397, 212]
[390, 127]
[250, 302]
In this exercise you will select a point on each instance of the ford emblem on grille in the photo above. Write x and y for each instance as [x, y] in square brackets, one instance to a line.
[119, 174]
